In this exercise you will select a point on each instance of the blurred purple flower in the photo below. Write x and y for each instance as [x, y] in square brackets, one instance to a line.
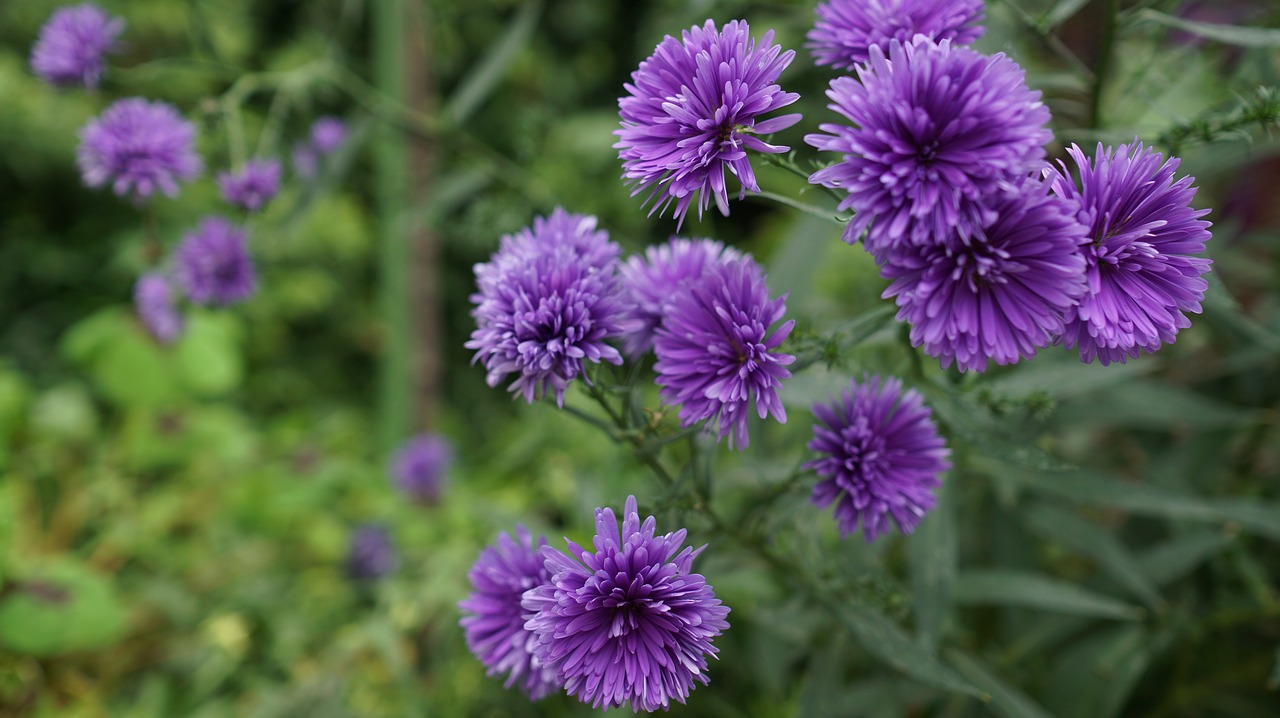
[881, 457]
[328, 134]
[936, 130]
[628, 623]
[715, 353]
[547, 300]
[494, 621]
[999, 296]
[372, 554]
[650, 282]
[73, 43]
[306, 161]
[846, 29]
[690, 114]
[419, 466]
[213, 264]
[140, 147]
[1142, 238]
[253, 185]
[156, 305]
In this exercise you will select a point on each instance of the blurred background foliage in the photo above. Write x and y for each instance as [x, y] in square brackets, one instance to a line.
[174, 523]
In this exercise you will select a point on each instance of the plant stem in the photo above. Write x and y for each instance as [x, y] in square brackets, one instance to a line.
[1111, 10]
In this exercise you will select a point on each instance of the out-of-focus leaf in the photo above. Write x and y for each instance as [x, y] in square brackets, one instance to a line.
[934, 550]
[1152, 405]
[884, 639]
[1063, 11]
[1005, 699]
[1069, 529]
[59, 608]
[208, 355]
[1229, 34]
[1173, 560]
[1029, 590]
[65, 412]
[1063, 377]
[484, 79]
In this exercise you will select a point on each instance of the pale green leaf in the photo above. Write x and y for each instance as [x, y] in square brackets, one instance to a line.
[1029, 590]
[1229, 34]
[1007, 700]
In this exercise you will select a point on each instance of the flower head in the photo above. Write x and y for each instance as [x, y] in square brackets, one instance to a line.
[372, 555]
[547, 301]
[936, 130]
[139, 147]
[846, 29]
[73, 43]
[716, 355]
[253, 186]
[418, 467]
[494, 622]
[328, 134]
[627, 623]
[213, 263]
[650, 281]
[1142, 238]
[999, 296]
[881, 457]
[690, 115]
[306, 161]
[156, 305]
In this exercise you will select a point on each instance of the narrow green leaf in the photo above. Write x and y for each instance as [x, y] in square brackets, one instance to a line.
[484, 79]
[1060, 13]
[1005, 699]
[1029, 590]
[1229, 34]
[1174, 559]
[934, 552]
[887, 641]
[1073, 531]
[1149, 404]
[1273, 683]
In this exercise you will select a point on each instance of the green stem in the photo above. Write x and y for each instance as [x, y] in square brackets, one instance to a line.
[1107, 52]
[808, 209]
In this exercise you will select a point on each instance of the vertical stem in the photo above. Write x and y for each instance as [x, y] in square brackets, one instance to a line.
[1111, 8]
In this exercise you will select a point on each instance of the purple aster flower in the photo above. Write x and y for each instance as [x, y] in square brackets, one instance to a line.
[1000, 296]
[156, 305]
[650, 282]
[494, 621]
[548, 300]
[139, 147]
[418, 467]
[253, 186]
[936, 130]
[213, 263]
[72, 45]
[690, 114]
[328, 134]
[880, 457]
[628, 623]
[1142, 238]
[715, 353]
[372, 554]
[846, 29]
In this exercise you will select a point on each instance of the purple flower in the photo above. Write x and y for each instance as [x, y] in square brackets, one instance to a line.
[715, 353]
[140, 147]
[628, 623]
[880, 457]
[1001, 295]
[328, 134]
[690, 114]
[846, 29]
[306, 161]
[372, 554]
[156, 305]
[936, 130]
[213, 263]
[418, 467]
[253, 186]
[72, 45]
[548, 300]
[650, 282]
[494, 622]
[1142, 238]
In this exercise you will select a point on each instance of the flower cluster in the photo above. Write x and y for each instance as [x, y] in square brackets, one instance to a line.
[139, 147]
[846, 30]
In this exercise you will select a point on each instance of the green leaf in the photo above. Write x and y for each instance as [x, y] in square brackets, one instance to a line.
[1007, 700]
[1174, 559]
[887, 641]
[1229, 34]
[1060, 13]
[1073, 531]
[208, 355]
[484, 79]
[60, 608]
[1154, 405]
[934, 549]
[1029, 590]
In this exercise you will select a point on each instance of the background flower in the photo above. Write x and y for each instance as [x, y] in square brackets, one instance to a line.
[652, 280]
[847, 28]
[139, 147]
[213, 264]
[253, 185]
[328, 134]
[156, 305]
[419, 466]
[372, 555]
[73, 44]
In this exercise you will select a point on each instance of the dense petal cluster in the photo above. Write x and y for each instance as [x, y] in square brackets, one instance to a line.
[1001, 295]
[715, 353]
[419, 466]
[847, 29]
[936, 131]
[1142, 238]
[649, 283]
[494, 621]
[548, 300]
[140, 147]
[73, 44]
[628, 623]
[157, 307]
[371, 555]
[213, 264]
[881, 457]
[690, 115]
[328, 134]
[252, 186]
